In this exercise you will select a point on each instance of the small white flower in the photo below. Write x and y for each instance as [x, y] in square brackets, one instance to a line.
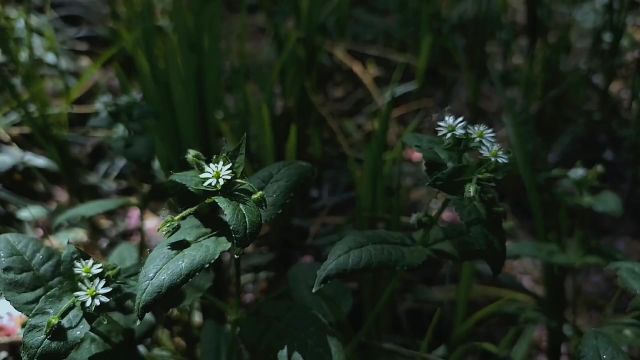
[92, 293]
[216, 174]
[451, 126]
[494, 153]
[577, 173]
[481, 134]
[87, 268]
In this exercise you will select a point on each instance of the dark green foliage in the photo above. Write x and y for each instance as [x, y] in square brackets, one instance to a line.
[68, 333]
[597, 345]
[175, 262]
[28, 270]
[369, 250]
[280, 182]
[276, 324]
[90, 209]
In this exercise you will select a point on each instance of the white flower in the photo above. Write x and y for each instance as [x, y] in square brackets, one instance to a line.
[451, 126]
[87, 268]
[92, 293]
[494, 153]
[577, 173]
[482, 134]
[216, 174]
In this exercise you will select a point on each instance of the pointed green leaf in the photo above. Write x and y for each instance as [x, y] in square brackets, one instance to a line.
[237, 156]
[332, 302]
[28, 269]
[124, 255]
[280, 182]
[597, 345]
[243, 218]
[628, 275]
[191, 180]
[175, 261]
[370, 249]
[484, 238]
[216, 341]
[606, 202]
[64, 337]
[90, 209]
[276, 324]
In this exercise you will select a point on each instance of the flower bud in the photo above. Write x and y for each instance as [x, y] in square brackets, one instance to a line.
[470, 190]
[195, 159]
[169, 226]
[259, 199]
[52, 323]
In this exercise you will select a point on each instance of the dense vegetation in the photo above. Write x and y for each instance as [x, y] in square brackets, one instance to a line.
[321, 179]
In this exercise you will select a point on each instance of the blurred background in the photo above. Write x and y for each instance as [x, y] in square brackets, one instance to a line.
[102, 98]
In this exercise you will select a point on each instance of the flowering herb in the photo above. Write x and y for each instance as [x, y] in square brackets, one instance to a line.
[481, 134]
[217, 174]
[92, 293]
[451, 127]
[87, 268]
[494, 153]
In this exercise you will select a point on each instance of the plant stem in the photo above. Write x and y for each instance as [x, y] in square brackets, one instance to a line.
[237, 273]
[377, 309]
[424, 346]
[463, 292]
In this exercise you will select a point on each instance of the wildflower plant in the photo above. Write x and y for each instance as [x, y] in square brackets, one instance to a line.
[87, 268]
[92, 293]
[78, 307]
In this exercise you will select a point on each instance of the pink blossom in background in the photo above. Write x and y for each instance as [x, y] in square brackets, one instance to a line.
[11, 320]
[412, 155]
[133, 218]
[450, 216]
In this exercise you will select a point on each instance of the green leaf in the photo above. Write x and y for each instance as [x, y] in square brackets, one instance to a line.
[191, 180]
[333, 302]
[430, 147]
[484, 238]
[243, 218]
[370, 249]
[284, 355]
[175, 261]
[597, 345]
[111, 336]
[90, 209]
[606, 202]
[276, 324]
[237, 156]
[32, 213]
[337, 350]
[551, 254]
[215, 341]
[91, 345]
[28, 269]
[61, 341]
[628, 273]
[124, 255]
[280, 182]
[625, 330]
[479, 243]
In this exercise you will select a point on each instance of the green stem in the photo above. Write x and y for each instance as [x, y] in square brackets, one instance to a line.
[234, 314]
[463, 292]
[424, 346]
[373, 316]
[237, 273]
[611, 306]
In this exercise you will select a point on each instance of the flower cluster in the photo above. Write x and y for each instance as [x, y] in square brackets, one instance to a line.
[216, 174]
[480, 136]
[92, 292]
